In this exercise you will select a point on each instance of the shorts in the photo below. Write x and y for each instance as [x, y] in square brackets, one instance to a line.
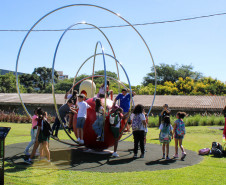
[42, 137]
[115, 132]
[176, 136]
[80, 122]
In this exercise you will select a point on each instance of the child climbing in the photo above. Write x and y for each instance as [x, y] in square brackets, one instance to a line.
[165, 136]
[98, 124]
[179, 132]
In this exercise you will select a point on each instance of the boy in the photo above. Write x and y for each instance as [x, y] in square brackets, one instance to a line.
[81, 118]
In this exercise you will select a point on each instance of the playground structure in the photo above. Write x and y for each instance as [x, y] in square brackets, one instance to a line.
[89, 135]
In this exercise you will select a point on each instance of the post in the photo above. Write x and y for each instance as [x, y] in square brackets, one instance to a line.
[3, 133]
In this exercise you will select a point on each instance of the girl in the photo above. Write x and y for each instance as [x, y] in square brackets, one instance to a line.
[44, 141]
[98, 124]
[33, 132]
[40, 138]
[146, 130]
[165, 136]
[138, 126]
[179, 132]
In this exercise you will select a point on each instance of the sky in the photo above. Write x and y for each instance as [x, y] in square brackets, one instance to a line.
[200, 43]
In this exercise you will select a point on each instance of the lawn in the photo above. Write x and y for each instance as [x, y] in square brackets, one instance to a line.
[209, 171]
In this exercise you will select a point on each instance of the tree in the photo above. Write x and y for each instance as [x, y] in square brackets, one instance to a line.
[44, 77]
[8, 84]
[171, 73]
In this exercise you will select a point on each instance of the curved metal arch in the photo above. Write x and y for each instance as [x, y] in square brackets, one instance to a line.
[88, 5]
[118, 81]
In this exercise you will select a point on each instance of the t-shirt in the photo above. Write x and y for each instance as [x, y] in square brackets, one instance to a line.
[100, 111]
[39, 123]
[124, 101]
[82, 111]
[142, 117]
[161, 126]
[64, 110]
[34, 121]
[166, 113]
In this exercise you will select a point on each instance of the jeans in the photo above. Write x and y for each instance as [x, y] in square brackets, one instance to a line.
[138, 138]
[98, 125]
[56, 125]
[33, 137]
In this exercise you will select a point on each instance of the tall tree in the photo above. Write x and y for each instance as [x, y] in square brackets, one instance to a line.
[44, 77]
[171, 73]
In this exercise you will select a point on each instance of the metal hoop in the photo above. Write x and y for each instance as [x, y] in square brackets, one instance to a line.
[89, 5]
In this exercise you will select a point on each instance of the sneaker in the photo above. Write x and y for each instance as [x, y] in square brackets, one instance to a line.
[81, 142]
[175, 156]
[27, 161]
[55, 137]
[142, 156]
[167, 158]
[26, 153]
[98, 138]
[135, 156]
[163, 156]
[183, 155]
[115, 154]
[78, 139]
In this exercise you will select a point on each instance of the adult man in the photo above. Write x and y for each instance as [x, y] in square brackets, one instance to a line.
[124, 99]
[63, 111]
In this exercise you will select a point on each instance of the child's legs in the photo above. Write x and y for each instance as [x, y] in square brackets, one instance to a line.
[163, 148]
[46, 149]
[71, 115]
[176, 146]
[115, 145]
[34, 149]
[180, 144]
[167, 149]
[136, 140]
[141, 140]
[33, 137]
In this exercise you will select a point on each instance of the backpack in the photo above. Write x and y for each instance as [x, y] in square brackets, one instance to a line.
[47, 130]
[137, 122]
[217, 152]
[180, 130]
[165, 136]
[216, 145]
[114, 119]
[204, 151]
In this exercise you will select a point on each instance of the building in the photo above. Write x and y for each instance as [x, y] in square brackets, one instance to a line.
[61, 75]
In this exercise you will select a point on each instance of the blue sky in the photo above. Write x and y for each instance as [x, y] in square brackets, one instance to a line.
[200, 42]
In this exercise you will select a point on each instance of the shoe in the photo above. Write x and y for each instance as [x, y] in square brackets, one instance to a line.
[27, 161]
[163, 156]
[135, 156]
[98, 138]
[115, 154]
[81, 142]
[175, 156]
[183, 155]
[167, 158]
[26, 153]
[142, 156]
[78, 140]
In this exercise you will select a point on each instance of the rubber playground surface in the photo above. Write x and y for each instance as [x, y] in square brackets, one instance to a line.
[64, 157]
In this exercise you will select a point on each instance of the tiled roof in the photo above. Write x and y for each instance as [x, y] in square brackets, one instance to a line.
[174, 102]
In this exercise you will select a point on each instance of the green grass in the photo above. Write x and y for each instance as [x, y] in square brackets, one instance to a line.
[209, 171]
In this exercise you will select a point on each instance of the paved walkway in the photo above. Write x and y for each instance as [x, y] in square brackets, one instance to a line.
[70, 158]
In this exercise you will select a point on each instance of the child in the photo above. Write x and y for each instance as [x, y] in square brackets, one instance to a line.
[44, 141]
[81, 118]
[36, 145]
[33, 132]
[115, 121]
[165, 136]
[146, 129]
[179, 132]
[138, 126]
[98, 124]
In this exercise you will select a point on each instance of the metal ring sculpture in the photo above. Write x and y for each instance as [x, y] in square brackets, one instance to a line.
[74, 5]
